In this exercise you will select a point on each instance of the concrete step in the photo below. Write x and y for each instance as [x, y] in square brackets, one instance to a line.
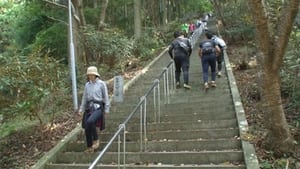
[203, 124]
[174, 158]
[180, 117]
[176, 134]
[167, 145]
[181, 107]
[148, 166]
[197, 90]
[194, 98]
[165, 111]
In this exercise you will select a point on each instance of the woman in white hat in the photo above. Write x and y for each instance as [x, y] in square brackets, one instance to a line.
[95, 102]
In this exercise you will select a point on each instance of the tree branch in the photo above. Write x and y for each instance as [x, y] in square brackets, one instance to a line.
[284, 30]
[52, 18]
[261, 24]
[56, 4]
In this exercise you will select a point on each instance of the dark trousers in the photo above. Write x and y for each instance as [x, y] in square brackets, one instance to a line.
[208, 61]
[90, 125]
[220, 60]
[182, 62]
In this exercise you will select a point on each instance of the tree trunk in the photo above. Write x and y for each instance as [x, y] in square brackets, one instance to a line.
[165, 13]
[95, 4]
[137, 19]
[103, 14]
[218, 9]
[78, 5]
[279, 137]
[273, 47]
[81, 23]
[125, 9]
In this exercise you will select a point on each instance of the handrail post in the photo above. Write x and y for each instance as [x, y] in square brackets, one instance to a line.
[165, 88]
[124, 146]
[121, 126]
[154, 100]
[141, 125]
[145, 123]
[158, 99]
[168, 86]
[119, 150]
[173, 75]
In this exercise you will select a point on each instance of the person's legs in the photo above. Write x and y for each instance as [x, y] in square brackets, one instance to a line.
[204, 60]
[177, 69]
[220, 61]
[212, 64]
[90, 129]
[185, 69]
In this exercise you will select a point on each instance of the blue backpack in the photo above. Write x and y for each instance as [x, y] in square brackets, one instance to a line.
[208, 48]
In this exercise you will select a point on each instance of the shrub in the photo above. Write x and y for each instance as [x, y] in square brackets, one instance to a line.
[32, 86]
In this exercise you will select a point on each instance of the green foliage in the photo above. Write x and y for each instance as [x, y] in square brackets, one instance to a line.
[13, 125]
[290, 72]
[147, 44]
[109, 47]
[8, 12]
[92, 15]
[239, 26]
[29, 26]
[31, 85]
[265, 165]
[201, 7]
[53, 44]
[31, 19]
[278, 164]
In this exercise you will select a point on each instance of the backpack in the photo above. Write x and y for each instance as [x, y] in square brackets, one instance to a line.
[207, 48]
[183, 45]
[220, 42]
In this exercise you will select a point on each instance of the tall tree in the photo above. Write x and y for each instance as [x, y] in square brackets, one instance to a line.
[165, 12]
[137, 19]
[102, 14]
[218, 9]
[78, 7]
[273, 34]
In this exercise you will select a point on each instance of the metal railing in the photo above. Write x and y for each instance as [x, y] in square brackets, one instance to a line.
[195, 36]
[168, 78]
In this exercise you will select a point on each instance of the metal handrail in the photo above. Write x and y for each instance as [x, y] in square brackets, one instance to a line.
[142, 106]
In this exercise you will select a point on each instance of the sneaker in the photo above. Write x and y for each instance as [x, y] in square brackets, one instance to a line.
[213, 84]
[89, 150]
[187, 86]
[177, 85]
[206, 86]
[95, 144]
[219, 74]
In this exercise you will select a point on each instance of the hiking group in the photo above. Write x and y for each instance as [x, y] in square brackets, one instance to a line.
[210, 52]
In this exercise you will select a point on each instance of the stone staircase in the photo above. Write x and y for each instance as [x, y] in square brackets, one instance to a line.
[197, 129]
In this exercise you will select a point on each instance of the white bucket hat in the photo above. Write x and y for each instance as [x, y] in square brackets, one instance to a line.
[92, 70]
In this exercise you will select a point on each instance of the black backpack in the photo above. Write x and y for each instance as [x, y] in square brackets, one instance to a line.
[208, 47]
[183, 43]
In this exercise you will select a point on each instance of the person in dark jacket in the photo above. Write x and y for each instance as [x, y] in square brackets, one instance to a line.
[180, 50]
[208, 52]
[95, 102]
